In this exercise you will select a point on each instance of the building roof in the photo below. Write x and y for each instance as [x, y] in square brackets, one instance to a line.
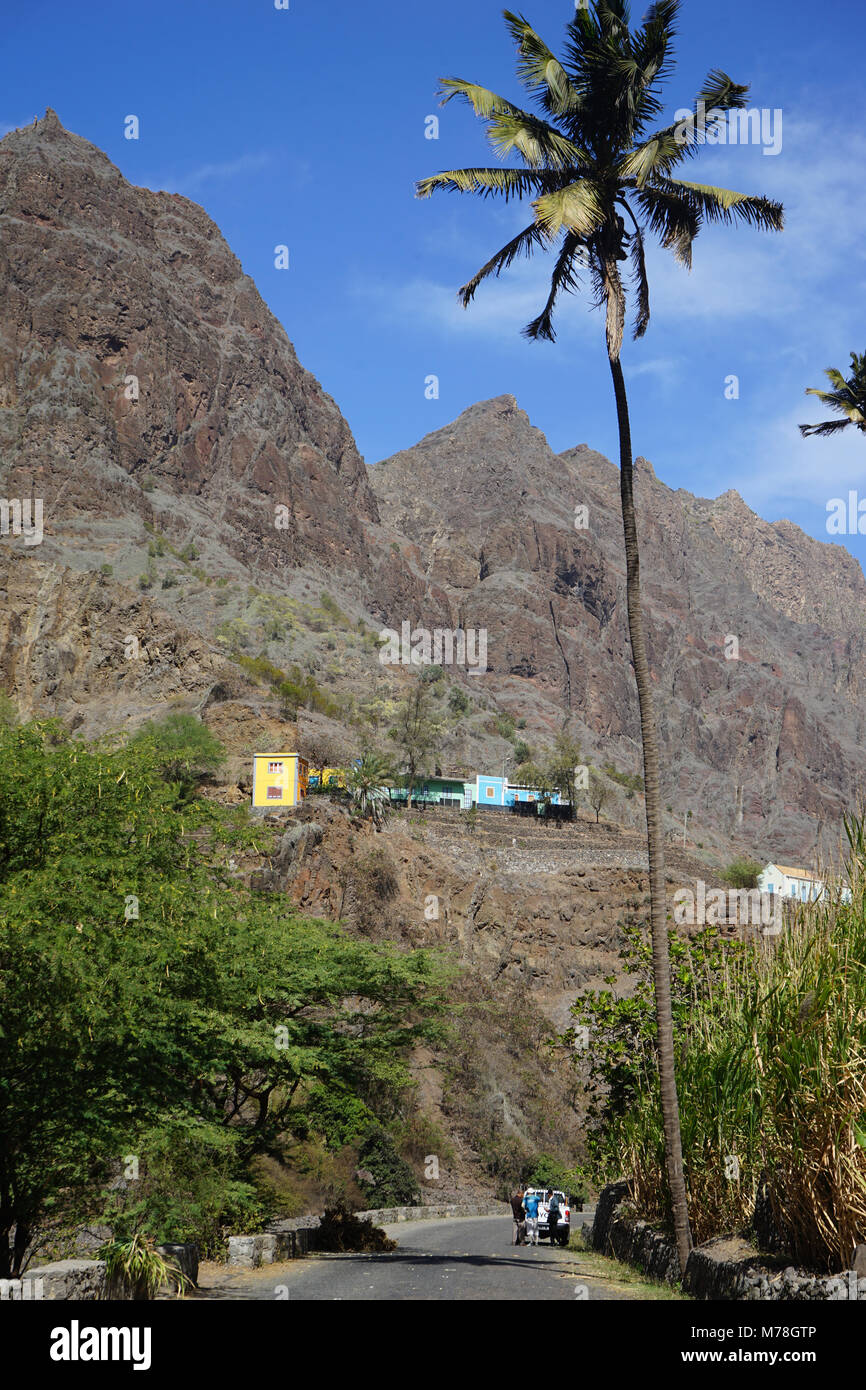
[795, 873]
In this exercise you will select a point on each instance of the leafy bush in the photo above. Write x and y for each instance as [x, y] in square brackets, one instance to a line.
[629, 780]
[546, 1170]
[340, 1230]
[333, 610]
[742, 873]
[184, 748]
[393, 1182]
[297, 689]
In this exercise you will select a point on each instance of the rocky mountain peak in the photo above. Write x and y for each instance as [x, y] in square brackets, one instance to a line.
[146, 369]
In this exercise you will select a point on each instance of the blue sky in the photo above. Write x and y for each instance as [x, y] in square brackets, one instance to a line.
[306, 127]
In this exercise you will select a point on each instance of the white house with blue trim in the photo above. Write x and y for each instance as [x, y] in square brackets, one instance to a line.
[798, 885]
[803, 885]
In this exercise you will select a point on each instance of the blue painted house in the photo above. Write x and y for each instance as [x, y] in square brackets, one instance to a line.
[490, 791]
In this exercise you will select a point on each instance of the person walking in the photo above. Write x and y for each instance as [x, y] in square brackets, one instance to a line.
[530, 1206]
[552, 1215]
[519, 1234]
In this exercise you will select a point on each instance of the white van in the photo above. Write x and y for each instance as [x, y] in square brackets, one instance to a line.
[563, 1225]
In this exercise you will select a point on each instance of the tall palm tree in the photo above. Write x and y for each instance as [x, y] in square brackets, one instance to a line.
[601, 182]
[848, 398]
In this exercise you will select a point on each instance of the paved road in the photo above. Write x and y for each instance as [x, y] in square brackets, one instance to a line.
[465, 1258]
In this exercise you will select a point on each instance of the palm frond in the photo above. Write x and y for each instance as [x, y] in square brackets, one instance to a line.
[827, 428]
[838, 399]
[641, 282]
[657, 155]
[667, 147]
[673, 220]
[835, 377]
[510, 128]
[539, 69]
[848, 399]
[577, 206]
[721, 92]
[564, 278]
[645, 61]
[723, 205]
[538, 143]
[489, 183]
[531, 238]
[483, 102]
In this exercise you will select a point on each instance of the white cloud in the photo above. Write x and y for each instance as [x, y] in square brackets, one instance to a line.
[739, 272]
[210, 173]
[784, 467]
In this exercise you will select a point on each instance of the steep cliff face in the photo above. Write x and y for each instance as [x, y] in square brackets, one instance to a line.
[756, 631]
[143, 380]
[149, 399]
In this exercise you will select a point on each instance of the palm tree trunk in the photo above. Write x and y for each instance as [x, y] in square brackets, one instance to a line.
[655, 841]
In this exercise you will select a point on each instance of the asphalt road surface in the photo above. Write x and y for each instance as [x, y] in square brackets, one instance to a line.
[465, 1258]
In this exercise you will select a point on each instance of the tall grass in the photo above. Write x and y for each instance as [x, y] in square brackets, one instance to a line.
[772, 1087]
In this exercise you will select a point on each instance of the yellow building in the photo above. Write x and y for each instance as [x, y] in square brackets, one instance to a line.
[279, 779]
[327, 777]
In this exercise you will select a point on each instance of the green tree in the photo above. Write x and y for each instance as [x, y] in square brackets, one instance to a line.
[522, 752]
[184, 748]
[848, 398]
[417, 733]
[599, 793]
[152, 1007]
[742, 873]
[530, 774]
[602, 181]
[562, 767]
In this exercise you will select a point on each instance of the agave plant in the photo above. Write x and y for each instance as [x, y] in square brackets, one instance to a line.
[367, 784]
[601, 182]
[848, 397]
[135, 1269]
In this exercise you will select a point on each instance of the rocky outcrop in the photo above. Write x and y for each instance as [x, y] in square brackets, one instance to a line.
[756, 632]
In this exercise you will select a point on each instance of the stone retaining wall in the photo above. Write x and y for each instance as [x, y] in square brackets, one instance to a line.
[725, 1268]
[63, 1280]
[289, 1239]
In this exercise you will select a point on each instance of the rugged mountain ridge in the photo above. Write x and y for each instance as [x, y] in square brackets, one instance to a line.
[149, 397]
[143, 380]
[757, 633]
